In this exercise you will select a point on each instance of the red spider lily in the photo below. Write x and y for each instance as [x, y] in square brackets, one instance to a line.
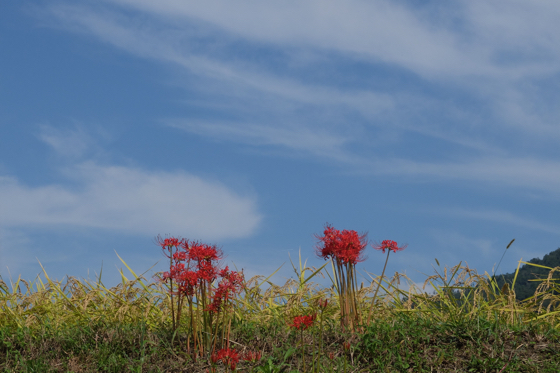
[206, 271]
[252, 356]
[345, 249]
[214, 358]
[346, 246]
[230, 284]
[352, 248]
[322, 303]
[193, 268]
[202, 252]
[187, 282]
[303, 322]
[174, 271]
[169, 243]
[389, 245]
[204, 255]
[385, 245]
[180, 256]
[330, 243]
[227, 356]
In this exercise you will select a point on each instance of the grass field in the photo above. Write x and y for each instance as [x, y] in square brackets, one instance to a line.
[81, 326]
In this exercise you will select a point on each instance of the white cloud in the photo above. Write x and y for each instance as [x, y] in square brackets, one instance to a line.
[464, 38]
[468, 48]
[184, 37]
[166, 43]
[73, 142]
[298, 138]
[380, 30]
[526, 29]
[131, 200]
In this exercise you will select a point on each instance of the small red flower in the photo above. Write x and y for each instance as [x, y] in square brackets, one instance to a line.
[331, 243]
[214, 358]
[169, 242]
[180, 256]
[202, 252]
[389, 245]
[187, 281]
[227, 356]
[303, 322]
[229, 285]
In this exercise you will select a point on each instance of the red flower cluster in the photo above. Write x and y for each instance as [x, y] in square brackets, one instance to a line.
[303, 322]
[204, 255]
[230, 284]
[346, 246]
[389, 245]
[169, 242]
[227, 356]
[231, 358]
[201, 267]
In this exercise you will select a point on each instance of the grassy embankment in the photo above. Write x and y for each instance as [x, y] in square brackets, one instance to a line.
[82, 326]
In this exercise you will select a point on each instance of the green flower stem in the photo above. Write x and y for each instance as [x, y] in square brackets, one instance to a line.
[302, 350]
[378, 286]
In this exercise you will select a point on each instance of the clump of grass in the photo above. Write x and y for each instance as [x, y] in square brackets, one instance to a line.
[466, 325]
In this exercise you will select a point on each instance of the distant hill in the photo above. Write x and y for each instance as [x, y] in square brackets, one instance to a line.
[523, 287]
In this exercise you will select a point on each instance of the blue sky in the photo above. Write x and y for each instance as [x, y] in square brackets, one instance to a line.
[252, 124]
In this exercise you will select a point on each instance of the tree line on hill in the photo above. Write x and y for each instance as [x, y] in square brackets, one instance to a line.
[524, 288]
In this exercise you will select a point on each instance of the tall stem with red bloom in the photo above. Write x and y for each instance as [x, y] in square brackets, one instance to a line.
[230, 358]
[193, 272]
[385, 245]
[229, 285]
[204, 258]
[345, 248]
[301, 323]
[171, 245]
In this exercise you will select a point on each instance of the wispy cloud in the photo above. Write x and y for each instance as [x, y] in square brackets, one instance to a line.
[468, 37]
[74, 142]
[131, 200]
[528, 172]
[298, 138]
[124, 198]
[503, 217]
[70, 144]
[466, 50]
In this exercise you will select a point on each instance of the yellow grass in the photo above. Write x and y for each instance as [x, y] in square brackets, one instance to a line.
[47, 301]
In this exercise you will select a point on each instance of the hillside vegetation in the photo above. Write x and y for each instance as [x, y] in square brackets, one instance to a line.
[529, 277]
